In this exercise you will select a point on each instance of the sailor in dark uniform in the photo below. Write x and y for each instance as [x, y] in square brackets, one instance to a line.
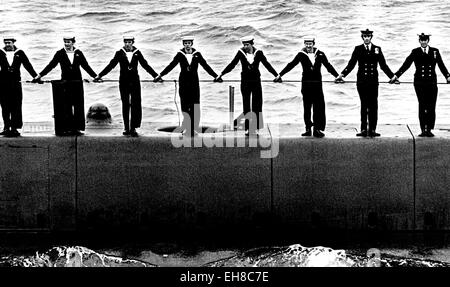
[311, 59]
[70, 60]
[189, 90]
[368, 56]
[425, 59]
[251, 90]
[129, 83]
[11, 58]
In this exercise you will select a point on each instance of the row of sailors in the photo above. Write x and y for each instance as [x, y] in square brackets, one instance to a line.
[368, 56]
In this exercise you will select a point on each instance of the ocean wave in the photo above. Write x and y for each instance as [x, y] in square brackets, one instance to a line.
[101, 14]
[284, 16]
[288, 100]
[163, 12]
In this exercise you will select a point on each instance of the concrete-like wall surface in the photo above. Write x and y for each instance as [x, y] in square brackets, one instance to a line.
[37, 173]
[147, 181]
[345, 182]
[105, 180]
[432, 164]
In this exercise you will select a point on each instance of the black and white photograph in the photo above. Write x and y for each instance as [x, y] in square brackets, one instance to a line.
[200, 133]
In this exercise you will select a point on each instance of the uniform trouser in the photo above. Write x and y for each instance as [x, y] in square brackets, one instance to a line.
[368, 94]
[75, 108]
[252, 92]
[313, 98]
[130, 94]
[191, 114]
[11, 103]
[68, 105]
[427, 97]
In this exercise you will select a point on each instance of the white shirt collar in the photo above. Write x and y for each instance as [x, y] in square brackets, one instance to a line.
[249, 56]
[10, 56]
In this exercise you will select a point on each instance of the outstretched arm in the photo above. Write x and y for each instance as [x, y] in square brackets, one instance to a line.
[112, 64]
[351, 64]
[291, 65]
[27, 65]
[405, 66]
[146, 66]
[50, 66]
[231, 65]
[172, 65]
[205, 66]
[384, 66]
[442, 67]
[86, 66]
[267, 64]
[328, 66]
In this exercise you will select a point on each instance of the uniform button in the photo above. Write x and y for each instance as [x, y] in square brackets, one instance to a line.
[365, 74]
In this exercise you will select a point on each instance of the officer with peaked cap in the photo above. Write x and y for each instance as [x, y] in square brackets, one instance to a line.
[311, 59]
[189, 90]
[70, 60]
[128, 57]
[368, 56]
[11, 58]
[251, 90]
[425, 59]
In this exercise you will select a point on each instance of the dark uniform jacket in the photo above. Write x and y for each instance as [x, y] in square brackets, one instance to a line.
[310, 71]
[69, 71]
[425, 65]
[13, 72]
[188, 72]
[250, 71]
[189, 83]
[367, 64]
[128, 70]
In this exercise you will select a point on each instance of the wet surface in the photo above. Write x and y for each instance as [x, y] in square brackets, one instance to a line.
[286, 256]
[258, 248]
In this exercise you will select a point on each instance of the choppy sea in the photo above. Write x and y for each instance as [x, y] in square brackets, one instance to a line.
[277, 25]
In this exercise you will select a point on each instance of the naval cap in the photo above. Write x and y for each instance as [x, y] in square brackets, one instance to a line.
[424, 36]
[128, 38]
[247, 39]
[9, 38]
[69, 38]
[187, 38]
[366, 32]
[309, 39]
